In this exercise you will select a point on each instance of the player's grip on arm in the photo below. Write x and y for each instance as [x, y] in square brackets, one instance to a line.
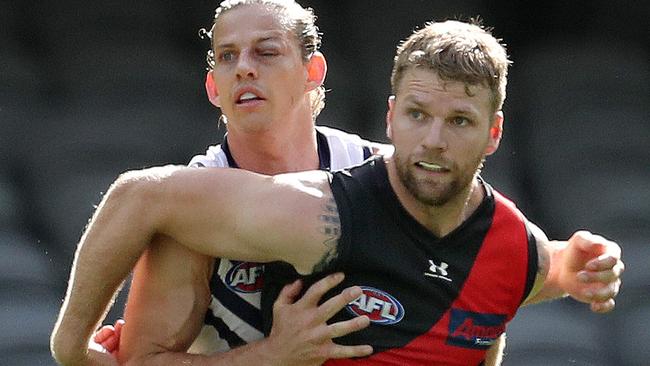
[300, 331]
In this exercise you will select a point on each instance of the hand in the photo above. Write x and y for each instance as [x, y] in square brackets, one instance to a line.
[300, 334]
[591, 270]
[107, 338]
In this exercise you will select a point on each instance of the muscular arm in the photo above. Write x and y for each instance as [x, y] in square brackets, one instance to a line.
[244, 212]
[168, 299]
[587, 267]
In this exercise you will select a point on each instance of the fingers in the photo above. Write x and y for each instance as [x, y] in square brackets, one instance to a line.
[111, 344]
[602, 293]
[339, 351]
[108, 336]
[318, 289]
[289, 293]
[118, 327]
[346, 327]
[338, 302]
[604, 277]
[593, 243]
[603, 307]
[103, 333]
[603, 262]
[604, 269]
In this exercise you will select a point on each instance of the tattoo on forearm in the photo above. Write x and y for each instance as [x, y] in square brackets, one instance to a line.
[331, 229]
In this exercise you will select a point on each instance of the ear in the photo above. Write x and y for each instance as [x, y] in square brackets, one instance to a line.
[316, 71]
[211, 90]
[496, 132]
[389, 116]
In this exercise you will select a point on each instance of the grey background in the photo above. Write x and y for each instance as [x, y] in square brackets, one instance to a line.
[89, 89]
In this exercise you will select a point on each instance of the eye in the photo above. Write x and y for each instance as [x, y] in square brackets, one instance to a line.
[226, 56]
[460, 121]
[268, 53]
[416, 115]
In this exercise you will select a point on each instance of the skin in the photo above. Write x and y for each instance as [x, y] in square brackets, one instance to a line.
[198, 207]
[255, 54]
[170, 291]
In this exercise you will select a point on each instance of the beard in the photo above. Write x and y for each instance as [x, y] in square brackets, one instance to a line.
[437, 193]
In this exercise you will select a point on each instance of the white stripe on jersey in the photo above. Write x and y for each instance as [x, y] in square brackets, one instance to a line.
[209, 341]
[345, 150]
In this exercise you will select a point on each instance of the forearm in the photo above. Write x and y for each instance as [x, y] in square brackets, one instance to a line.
[169, 297]
[547, 284]
[105, 255]
[258, 353]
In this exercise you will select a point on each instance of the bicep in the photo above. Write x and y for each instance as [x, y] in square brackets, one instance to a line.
[235, 214]
[167, 302]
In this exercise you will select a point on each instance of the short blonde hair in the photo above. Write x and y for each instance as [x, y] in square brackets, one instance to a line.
[456, 51]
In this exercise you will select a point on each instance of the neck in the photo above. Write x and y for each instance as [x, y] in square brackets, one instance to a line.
[274, 152]
[443, 219]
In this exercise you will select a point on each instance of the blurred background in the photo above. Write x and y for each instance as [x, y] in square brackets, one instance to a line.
[89, 89]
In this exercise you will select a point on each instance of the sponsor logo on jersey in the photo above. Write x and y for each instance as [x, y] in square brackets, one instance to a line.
[438, 270]
[378, 305]
[245, 277]
[474, 330]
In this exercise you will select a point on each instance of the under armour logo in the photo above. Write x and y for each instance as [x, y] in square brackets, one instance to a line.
[438, 271]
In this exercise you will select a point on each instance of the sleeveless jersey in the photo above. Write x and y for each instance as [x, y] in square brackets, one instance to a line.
[234, 316]
[431, 301]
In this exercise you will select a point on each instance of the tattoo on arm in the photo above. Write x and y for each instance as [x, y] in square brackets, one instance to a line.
[331, 230]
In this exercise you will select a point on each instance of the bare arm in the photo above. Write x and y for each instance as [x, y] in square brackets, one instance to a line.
[587, 267]
[167, 302]
[169, 297]
[494, 354]
[243, 211]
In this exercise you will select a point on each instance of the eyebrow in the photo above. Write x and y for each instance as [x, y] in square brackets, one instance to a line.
[410, 99]
[265, 38]
[467, 111]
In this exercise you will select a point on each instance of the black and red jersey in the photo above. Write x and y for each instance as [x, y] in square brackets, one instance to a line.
[431, 300]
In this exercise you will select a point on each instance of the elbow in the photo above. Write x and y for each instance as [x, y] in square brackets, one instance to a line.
[142, 188]
[62, 350]
[133, 194]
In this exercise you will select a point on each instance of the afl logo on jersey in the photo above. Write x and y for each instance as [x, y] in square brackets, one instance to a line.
[379, 306]
[245, 277]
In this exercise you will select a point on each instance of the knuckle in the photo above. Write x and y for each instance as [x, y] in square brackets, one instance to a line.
[581, 235]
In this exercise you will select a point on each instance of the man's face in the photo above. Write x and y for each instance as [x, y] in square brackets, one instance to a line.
[259, 72]
[441, 135]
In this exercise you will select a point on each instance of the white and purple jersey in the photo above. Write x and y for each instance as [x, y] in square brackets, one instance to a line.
[234, 316]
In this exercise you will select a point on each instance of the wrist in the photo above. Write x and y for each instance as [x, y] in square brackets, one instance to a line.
[269, 352]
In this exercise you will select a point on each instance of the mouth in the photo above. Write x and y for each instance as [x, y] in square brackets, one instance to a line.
[432, 167]
[247, 97]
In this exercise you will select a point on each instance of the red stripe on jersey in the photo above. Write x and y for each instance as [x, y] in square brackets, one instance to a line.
[488, 300]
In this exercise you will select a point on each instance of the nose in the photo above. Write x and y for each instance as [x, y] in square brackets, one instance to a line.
[246, 65]
[435, 136]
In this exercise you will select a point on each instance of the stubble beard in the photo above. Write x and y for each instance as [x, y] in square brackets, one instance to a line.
[436, 194]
